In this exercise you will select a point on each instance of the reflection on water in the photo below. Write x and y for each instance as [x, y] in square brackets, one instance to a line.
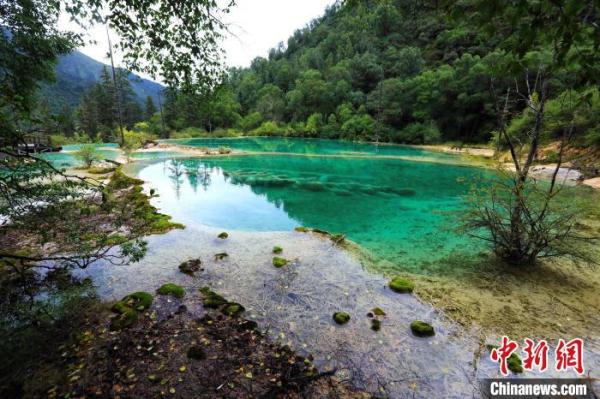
[396, 209]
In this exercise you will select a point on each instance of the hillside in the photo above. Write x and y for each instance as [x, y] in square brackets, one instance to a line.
[76, 73]
[391, 70]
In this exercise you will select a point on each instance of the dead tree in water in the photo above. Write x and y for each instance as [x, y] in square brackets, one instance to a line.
[521, 217]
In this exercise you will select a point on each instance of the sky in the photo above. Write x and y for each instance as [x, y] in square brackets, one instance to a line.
[256, 27]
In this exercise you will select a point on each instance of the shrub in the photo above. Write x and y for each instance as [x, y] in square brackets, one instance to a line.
[88, 155]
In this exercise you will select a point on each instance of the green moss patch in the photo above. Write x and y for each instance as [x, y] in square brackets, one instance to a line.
[100, 170]
[124, 320]
[171, 289]
[277, 249]
[514, 363]
[233, 309]
[378, 311]
[138, 300]
[402, 285]
[127, 309]
[422, 329]
[341, 317]
[211, 299]
[120, 180]
[279, 262]
[301, 229]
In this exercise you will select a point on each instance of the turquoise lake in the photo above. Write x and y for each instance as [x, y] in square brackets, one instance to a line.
[310, 147]
[400, 211]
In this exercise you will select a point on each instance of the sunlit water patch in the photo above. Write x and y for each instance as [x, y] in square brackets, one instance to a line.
[400, 211]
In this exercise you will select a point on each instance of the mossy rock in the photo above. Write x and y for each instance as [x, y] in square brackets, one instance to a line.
[279, 262]
[221, 256]
[277, 249]
[514, 363]
[233, 309]
[378, 311]
[196, 353]
[124, 320]
[120, 180]
[211, 299]
[223, 235]
[402, 285]
[301, 229]
[171, 289]
[191, 266]
[138, 301]
[341, 317]
[375, 325]
[422, 329]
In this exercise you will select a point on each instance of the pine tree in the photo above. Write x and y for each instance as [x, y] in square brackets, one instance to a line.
[150, 108]
[66, 125]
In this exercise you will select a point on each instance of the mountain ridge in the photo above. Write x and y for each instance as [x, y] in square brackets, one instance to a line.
[76, 73]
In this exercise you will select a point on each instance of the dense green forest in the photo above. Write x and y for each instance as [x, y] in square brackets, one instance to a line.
[393, 70]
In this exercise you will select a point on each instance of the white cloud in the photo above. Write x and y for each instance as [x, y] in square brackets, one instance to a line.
[256, 26]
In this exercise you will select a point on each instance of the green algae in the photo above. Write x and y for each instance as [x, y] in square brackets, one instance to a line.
[514, 363]
[277, 249]
[233, 309]
[422, 329]
[341, 317]
[378, 311]
[171, 289]
[211, 299]
[279, 262]
[223, 235]
[401, 285]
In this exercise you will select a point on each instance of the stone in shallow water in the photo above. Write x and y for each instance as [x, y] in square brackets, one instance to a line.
[171, 289]
[422, 329]
[191, 266]
[341, 317]
[279, 262]
[223, 235]
[402, 285]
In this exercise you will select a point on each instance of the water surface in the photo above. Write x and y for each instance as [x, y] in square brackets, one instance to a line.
[310, 146]
[398, 210]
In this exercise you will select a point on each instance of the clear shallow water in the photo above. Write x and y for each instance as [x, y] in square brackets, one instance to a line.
[398, 210]
[309, 146]
[295, 304]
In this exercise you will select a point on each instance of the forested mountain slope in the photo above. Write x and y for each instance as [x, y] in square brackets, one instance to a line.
[396, 70]
[76, 73]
